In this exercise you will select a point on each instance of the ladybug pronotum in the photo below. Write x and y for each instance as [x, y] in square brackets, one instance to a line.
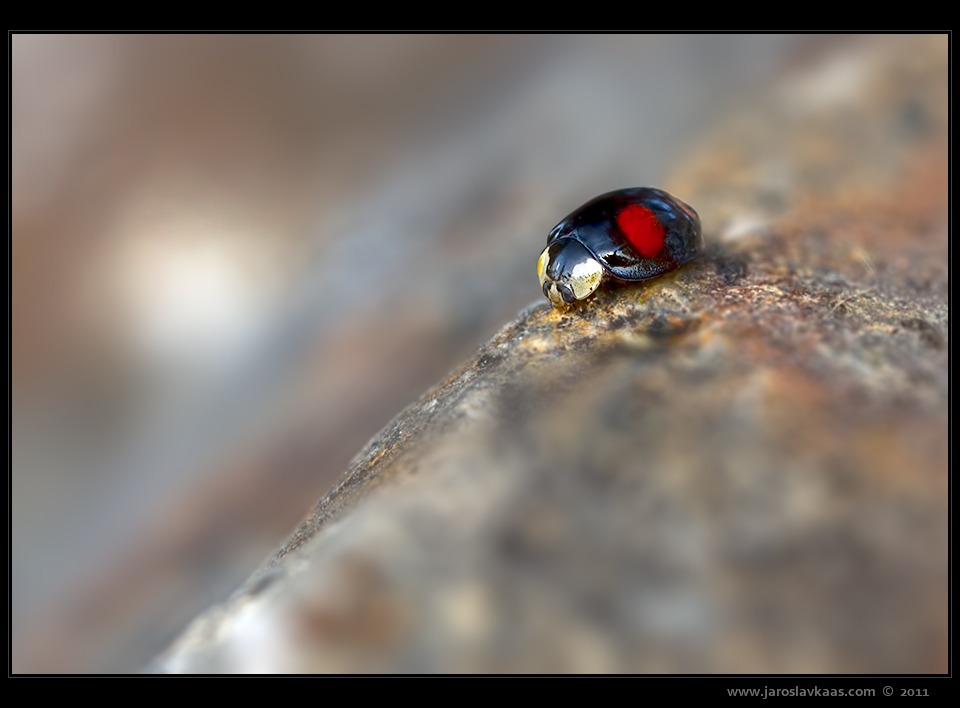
[627, 236]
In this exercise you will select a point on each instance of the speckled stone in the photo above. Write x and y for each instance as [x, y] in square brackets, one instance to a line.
[738, 467]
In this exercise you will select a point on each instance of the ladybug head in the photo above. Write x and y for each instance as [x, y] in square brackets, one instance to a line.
[568, 272]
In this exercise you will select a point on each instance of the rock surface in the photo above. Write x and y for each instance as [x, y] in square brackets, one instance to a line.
[738, 467]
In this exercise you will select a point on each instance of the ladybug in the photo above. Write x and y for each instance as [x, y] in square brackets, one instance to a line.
[626, 236]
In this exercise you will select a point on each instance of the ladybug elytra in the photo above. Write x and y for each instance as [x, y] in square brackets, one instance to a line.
[627, 236]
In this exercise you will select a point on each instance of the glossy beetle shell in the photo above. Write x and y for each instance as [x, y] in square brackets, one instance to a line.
[601, 226]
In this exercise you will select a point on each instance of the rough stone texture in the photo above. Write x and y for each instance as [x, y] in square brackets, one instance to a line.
[739, 467]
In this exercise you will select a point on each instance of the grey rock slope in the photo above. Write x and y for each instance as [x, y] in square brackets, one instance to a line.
[739, 467]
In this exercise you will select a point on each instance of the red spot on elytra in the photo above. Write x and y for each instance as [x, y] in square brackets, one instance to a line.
[642, 229]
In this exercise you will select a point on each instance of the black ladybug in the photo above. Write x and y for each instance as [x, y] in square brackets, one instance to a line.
[627, 235]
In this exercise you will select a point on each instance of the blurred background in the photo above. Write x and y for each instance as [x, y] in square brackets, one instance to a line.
[236, 258]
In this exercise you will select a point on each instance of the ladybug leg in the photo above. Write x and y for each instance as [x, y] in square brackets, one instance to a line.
[568, 272]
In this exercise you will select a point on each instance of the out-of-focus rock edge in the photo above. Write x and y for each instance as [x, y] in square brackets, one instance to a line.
[739, 467]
